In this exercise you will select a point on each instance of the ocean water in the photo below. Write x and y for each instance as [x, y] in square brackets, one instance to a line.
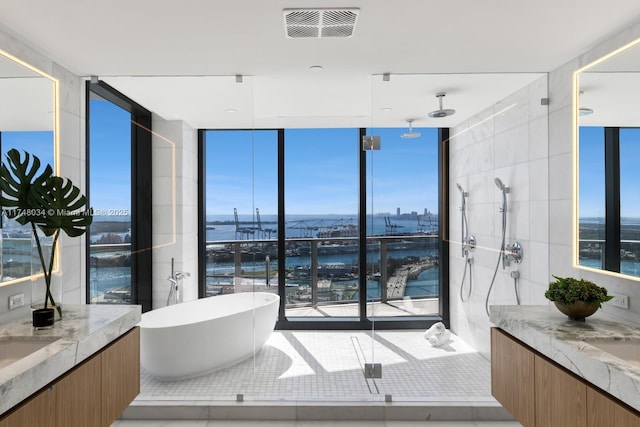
[631, 268]
[305, 226]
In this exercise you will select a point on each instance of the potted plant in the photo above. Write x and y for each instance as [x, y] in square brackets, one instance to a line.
[577, 299]
[50, 204]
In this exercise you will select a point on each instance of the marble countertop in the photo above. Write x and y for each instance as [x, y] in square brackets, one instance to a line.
[83, 330]
[566, 342]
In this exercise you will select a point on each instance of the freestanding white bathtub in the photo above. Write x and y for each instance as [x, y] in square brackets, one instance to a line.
[197, 337]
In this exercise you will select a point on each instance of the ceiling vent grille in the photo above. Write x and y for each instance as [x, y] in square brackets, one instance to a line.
[316, 23]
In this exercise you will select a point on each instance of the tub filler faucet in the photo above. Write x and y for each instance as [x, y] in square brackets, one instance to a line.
[175, 282]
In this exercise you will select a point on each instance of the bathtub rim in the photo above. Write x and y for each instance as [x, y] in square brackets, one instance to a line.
[254, 307]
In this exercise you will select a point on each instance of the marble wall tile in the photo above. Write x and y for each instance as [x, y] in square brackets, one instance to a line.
[560, 232]
[539, 138]
[537, 91]
[560, 256]
[512, 146]
[561, 177]
[538, 179]
[175, 212]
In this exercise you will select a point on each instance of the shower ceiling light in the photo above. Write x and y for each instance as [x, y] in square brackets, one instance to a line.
[440, 113]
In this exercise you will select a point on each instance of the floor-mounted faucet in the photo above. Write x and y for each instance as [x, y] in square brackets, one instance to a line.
[175, 281]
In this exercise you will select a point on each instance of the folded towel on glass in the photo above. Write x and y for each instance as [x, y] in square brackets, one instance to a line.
[440, 339]
[435, 329]
[437, 334]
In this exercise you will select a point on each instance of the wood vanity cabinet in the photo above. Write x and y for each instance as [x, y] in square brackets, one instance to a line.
[560, 398]
[120, 375]
[603, 411]
[93, 393]
[540, 393]
[512, 368]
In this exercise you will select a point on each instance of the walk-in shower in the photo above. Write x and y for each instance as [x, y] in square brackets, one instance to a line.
[468, 245]
[507, 253]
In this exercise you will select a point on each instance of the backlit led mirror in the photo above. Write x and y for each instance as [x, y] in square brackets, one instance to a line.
[607, 160]
[28, 121]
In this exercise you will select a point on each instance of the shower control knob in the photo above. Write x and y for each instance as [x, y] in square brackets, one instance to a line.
[470, 243]
[513, 253]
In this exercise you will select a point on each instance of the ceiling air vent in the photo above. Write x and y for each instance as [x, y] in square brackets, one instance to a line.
[316, 23]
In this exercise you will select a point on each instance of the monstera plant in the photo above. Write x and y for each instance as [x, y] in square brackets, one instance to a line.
[49, 203]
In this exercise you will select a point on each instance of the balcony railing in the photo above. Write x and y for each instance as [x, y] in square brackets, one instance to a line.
[317, 271]
[591, 254]
[324, 271]
[110, 273]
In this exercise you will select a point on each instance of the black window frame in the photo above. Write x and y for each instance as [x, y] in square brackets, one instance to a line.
[364, 322]
[141, 194]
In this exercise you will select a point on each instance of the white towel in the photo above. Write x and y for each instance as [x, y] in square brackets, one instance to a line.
[441, 339]
[435, 329]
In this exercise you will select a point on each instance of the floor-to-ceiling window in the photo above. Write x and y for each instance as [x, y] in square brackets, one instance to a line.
[403, 223]
[321, 216]
[241, 210]
[119, 184]
[295, 211]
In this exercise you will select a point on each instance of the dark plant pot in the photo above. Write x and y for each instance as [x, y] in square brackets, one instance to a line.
[43, 318]
[579, 310]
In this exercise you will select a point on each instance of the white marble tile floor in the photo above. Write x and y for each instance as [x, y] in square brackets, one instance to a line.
[302, 376]
[328, 365]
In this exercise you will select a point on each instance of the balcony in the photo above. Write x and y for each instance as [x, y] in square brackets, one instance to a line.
[322, 274]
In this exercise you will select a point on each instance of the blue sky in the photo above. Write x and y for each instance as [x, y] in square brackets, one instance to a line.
[321, 173]
[38, 143]
[630, 173]
[110, 154]
[592, 181]
[110, 157]
[321, 168]
[591, 172]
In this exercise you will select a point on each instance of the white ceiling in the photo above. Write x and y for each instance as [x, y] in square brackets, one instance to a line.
[179, 58]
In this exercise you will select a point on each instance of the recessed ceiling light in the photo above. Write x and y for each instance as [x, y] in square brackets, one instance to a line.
[386, 109]
[230, 110]
[316, 68]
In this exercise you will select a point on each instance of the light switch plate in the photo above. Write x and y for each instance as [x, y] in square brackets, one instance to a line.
[16, 301]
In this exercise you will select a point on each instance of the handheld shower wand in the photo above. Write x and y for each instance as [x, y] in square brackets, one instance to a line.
[463, 209]
[507, 252]
[468, 244]
[504, 189]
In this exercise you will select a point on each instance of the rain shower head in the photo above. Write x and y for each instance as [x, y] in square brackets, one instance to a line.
[411, 133]
[501, 185]
[440, 113]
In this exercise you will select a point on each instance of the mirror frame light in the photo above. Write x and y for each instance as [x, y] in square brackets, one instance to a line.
[575, 124]
[56, 139]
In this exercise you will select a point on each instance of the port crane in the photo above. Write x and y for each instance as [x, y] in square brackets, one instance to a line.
[263, 231]
[389, 227]
[242, 232]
